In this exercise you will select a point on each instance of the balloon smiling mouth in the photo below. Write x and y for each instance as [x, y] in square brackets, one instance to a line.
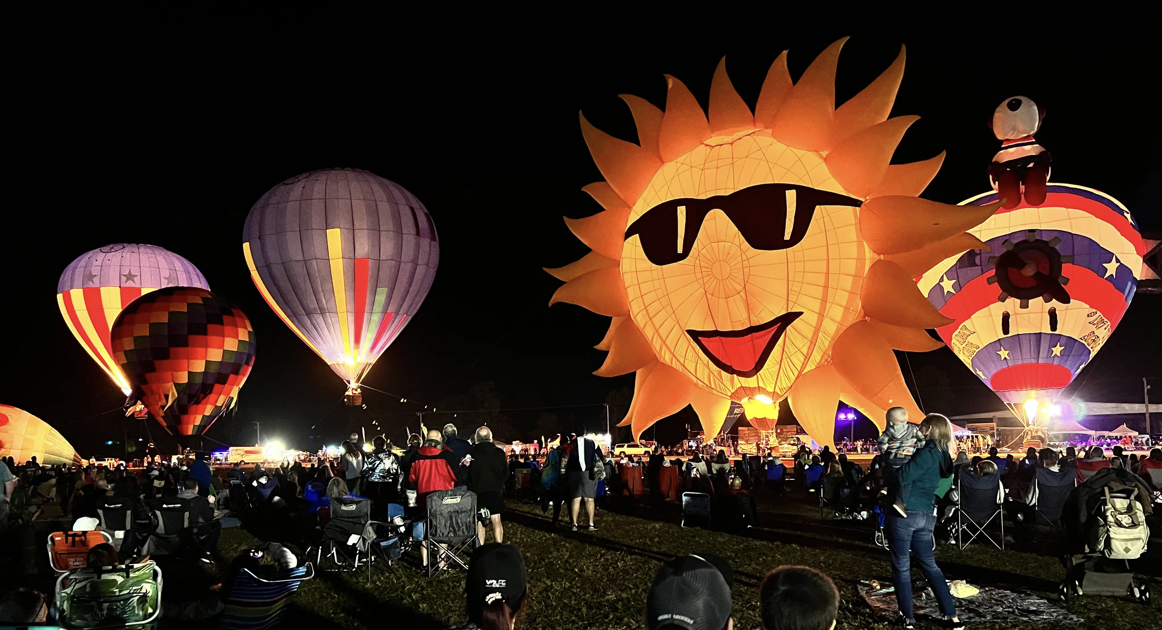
[743, 352]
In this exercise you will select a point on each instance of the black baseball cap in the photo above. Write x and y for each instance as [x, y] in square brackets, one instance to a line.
[496, 571]
[691, 592]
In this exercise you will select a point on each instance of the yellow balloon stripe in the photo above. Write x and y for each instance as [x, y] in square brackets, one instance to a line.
[60, 300]
[274, 305]
[335, 254]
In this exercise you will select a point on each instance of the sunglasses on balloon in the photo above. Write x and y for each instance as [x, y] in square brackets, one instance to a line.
[769, 216]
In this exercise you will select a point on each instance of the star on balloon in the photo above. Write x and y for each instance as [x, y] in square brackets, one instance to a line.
[169, 279]
[89, 277]
[947, 285]
[980, 373]
[129, 277]
[1004, 354]
[1111, 267]
[1057, 349]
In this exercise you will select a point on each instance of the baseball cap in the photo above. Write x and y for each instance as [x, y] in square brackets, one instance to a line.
[495, 572]
[691, 592]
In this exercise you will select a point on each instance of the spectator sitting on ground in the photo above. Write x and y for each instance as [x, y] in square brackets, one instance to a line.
[691, 593]
[495, 588]
[735, 510]
[798, 598]
[486, 476]
[263, 484]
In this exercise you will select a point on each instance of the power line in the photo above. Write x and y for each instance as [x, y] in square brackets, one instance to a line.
[96, 415]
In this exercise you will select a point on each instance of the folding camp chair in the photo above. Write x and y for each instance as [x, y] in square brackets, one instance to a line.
[980, 504]
[70, 550]
[115, 517]
[1154, 473]
[173, 515]
[1053, 489]
[119, 596]
[811, 477]
[834, 494]
[696, 508]
[777, 477]
[450, 530]
[256, 603]
[345, 536]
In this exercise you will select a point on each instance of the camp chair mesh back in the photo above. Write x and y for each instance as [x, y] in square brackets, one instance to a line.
[119, 596]
[115, 517]
[70, 550]
[812, 475]
[256, 603]
[345, 536]
[979, 506]
[833, 494]
[451, 528]
[173, 518]
[1053, 489]
[696, 508]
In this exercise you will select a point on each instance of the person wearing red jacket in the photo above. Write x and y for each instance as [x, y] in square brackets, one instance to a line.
[432, 469]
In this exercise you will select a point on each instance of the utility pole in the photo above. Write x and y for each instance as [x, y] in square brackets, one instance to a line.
[257, 433]
[607, 419]
[1146, 399]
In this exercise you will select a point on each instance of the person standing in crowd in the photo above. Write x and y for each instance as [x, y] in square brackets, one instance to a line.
[487, 471]
[496, 588]
[913, 534]
[691, 593]
[433, 469]
[798, 598]
[200, 472]
[206, 529]
[351, 463]
[382, 475]
[553, 484]
[452, 440]
[584, 456]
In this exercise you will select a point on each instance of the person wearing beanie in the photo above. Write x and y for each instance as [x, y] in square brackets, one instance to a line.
[691, 593]
[798, 598]
[495, 588]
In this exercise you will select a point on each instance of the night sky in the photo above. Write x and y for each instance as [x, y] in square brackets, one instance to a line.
[166, 128]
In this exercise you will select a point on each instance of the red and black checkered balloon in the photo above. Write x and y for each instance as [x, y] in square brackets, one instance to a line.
[186, 352]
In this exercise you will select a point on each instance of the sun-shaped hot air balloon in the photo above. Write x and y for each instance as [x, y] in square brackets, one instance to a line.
[754, 256]
[96, 286]
[1030, 312]
[345, 258]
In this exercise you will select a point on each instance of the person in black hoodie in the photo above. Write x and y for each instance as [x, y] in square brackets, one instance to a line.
[486, 474]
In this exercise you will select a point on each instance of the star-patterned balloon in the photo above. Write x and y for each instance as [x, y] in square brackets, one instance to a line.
[96, 286]
[1030, 313]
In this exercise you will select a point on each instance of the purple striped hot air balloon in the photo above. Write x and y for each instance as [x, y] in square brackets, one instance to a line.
[345, 258]
[96, 286]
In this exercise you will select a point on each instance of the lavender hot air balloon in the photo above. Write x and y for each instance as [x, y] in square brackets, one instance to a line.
[345, 258]
[96, 286]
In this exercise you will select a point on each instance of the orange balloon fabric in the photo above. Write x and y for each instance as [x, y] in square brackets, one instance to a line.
[24, 436]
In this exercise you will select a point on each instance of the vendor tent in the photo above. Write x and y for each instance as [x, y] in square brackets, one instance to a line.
[1123, 430]
[1061, 427]
[959, 430]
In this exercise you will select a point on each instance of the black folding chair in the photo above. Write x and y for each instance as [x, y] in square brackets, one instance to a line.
[834, 494]
[451, 529]
[980, 504]
[344, 536]
[174, 516]
[1053, 488]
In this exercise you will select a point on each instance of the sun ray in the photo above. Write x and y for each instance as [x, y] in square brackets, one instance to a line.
[601, 232]
[867, 363]
[904, 338]
[909, 179]
[639, 383]
[590, 262]
[871, 106]
[627, 167]
[861, 161]
[860, 403]
[805, 117]
[711, 409]
[813, 399]
[775, 89]
[648, 120]
[728, 112]
[607, 340]
[895, 224]
[605, 195]
[890, 295]
[600, 291]
[684, 124]
[628, 352]
[665, 392]
[917, 261]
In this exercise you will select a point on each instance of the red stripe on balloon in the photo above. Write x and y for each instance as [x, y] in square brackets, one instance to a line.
[1116, 220]
[978, 294]
[384, 326]
[1031, 376]
[128, 294]
[71, 309]
[362, 268]
[397, 325]
[96, 309]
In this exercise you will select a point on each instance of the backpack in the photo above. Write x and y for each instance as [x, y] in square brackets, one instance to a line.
[1122, 531]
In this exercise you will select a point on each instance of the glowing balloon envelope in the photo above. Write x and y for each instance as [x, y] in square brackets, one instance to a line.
[23, 435]
[754, 256]
[96, 286]
[345, 258]
[186, 353]
[1031, 311]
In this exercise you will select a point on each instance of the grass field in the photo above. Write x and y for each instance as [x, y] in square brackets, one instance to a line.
[600, 580]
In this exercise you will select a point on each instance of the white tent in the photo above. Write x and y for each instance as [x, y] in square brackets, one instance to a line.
[1068, 426]
[959, 430]
[1124, 430]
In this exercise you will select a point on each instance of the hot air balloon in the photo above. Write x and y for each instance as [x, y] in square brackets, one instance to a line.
[23, 435]
[97, 285]
[1031, 311]
[344, 258]
[185, 352]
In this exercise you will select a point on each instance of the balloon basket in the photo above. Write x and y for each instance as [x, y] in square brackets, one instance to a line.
[353, 397]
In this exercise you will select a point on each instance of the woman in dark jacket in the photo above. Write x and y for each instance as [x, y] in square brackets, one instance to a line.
[913, 534]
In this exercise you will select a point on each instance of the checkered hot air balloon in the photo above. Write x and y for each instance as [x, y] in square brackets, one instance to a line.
[1030, 312]
[96, 286]
[345, 258]
[186, 353]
